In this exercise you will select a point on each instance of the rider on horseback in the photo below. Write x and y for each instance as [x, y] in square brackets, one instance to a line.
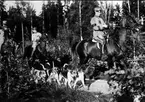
[7, 31]
[35, 39]
[98, 25]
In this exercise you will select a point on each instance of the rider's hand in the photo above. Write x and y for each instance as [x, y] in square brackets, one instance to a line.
[94, 24]
[105, 26]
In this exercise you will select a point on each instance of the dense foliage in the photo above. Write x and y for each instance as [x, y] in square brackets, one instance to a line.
[16, 83]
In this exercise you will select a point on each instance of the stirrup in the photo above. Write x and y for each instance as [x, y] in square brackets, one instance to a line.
[93, 40]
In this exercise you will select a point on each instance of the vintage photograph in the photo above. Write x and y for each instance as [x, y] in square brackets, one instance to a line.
[72, 51]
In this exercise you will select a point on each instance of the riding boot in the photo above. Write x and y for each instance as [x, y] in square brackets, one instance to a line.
[104, 56]
[31, 55]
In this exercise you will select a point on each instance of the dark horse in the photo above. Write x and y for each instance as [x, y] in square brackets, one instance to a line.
[114, 46]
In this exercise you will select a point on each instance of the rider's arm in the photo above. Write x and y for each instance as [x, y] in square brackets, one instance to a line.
[33, 38]
[104, 25]
[94, 24]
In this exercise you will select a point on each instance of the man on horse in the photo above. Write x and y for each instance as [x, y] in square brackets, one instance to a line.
[98, 26]
[7, 32]
[35, 39]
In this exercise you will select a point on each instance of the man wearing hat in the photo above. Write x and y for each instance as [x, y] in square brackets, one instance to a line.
[98, 26]
[35, 39]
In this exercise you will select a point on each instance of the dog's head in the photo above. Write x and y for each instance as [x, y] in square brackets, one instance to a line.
[73, 73]
[55, 69]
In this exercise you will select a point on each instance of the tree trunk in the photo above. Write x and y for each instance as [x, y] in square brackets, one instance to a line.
[22, 37]
[43, 29]
[138, 9]
[109, 13]
[0, 19]
[128, 6]
[80, 19]
[31, 26]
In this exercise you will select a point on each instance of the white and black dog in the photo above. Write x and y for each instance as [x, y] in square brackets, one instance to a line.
[80, 77]
[67, 76]
[54, 76]
[39, 72]
[63, 78]
[71, 76]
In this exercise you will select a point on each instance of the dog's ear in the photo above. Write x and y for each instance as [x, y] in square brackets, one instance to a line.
[69, 70]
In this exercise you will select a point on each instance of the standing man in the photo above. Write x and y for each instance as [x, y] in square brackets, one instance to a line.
[35, 39]
[98, 25]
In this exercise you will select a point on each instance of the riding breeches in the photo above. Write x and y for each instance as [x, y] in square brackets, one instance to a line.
[34, 44]
[99, 35]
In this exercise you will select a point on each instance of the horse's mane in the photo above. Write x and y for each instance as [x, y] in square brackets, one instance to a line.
[114, 35]
[111, 39]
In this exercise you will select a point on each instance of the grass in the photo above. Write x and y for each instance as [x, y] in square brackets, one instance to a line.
[53, 93]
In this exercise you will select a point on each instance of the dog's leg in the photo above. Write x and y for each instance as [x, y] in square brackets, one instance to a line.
[83, 80]
[47, 74]
[66, 81]
[75, 83]
[69, 83]
[83, 83]
[49, 78]
[69, 79]
[57, 79]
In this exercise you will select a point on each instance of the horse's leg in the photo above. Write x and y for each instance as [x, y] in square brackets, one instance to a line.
[115, 65]
[110, 62]
[25, 52]
[83, 60]
[122, 64]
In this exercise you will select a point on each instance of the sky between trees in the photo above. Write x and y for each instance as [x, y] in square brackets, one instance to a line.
[38, 4]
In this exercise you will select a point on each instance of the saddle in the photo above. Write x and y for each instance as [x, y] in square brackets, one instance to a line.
[97, 41]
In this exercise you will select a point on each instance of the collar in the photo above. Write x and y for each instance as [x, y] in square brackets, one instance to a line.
[97, 16]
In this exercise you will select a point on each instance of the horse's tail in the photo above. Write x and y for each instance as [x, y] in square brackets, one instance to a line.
[72, 45]
[73, 53]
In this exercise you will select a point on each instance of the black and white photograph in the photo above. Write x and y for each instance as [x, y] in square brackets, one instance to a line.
[72, 51]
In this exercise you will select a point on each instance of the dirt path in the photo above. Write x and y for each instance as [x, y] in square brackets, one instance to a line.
[96, 86]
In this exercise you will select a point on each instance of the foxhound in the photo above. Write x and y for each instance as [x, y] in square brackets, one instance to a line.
[71, 75]
[80, 78]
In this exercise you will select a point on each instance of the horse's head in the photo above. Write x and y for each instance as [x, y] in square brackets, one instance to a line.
[124, 22]
[129, 21]
[134, 27]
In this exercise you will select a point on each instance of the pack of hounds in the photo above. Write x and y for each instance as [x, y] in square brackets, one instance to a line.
[51, 71]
